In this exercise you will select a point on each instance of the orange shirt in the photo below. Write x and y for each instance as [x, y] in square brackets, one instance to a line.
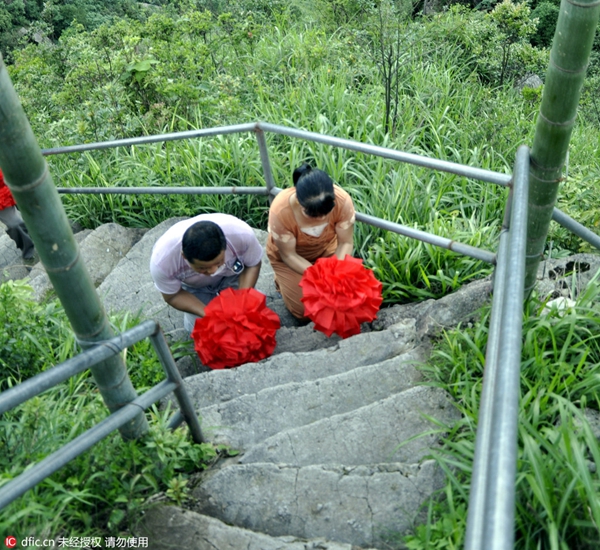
[282, 223]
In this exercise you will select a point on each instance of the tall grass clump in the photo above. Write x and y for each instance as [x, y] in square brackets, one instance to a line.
[224, 161]
[101, 491]
[557, 483]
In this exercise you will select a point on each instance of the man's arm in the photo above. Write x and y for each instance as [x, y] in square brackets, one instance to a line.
[186, 302]
[249, 276]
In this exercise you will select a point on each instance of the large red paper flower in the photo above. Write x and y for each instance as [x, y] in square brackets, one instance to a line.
[237, 328]
[339, 295]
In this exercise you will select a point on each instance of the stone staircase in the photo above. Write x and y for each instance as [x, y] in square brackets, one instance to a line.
[333, 436]
[333, 444]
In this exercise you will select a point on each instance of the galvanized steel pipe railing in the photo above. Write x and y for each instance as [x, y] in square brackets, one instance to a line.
[164, 190]
[259, 129]
[575, 227]
[484, 438]
[442, 242]
[54, 462]
[186, 408]
[144, 140]
[492, 501]
[409, 158]
[34, 386]
[43, 381]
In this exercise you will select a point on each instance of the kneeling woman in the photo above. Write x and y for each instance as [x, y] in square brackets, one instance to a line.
[314, 219]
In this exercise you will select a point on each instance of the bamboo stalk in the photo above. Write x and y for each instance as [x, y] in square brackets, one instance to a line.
[27, 175]
[569, 58]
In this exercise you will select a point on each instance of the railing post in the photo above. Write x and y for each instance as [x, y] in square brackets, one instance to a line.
[27, 175]
[173, 375]
[264, 159]
[500, 524]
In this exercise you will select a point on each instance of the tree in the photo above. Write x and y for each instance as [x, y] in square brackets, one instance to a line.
[515, 25]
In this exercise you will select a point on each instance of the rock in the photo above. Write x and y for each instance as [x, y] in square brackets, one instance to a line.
[384, 431]
[433, 316]
[529, 81]
[354, 505]
[11, 263]
[566, 277]
[100, 250]
[363, 349]
[251, 418]
[170, 527]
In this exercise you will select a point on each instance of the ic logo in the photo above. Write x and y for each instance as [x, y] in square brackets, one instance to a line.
[10, 542]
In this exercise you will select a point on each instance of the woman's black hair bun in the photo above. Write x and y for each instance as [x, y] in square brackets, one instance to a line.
[302, 170]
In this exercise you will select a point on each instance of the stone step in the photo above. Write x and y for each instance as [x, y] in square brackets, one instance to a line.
[100, 249]
[397, 428]
[355, 505]
[218, 386]
[249, 419]
[169, 527]
[11, 264]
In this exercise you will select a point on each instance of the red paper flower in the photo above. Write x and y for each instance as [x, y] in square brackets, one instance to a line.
[339, 295]
[6, 198]
[237, 328]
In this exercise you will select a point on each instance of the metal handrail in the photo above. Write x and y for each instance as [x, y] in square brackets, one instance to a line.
[491, 505]
[103, 350]
[259, 129]
[490, 522]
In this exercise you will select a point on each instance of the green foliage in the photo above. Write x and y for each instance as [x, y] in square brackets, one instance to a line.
[557, 487]
[547, 14]
[32, 335]
[191, 69]
[102, 490]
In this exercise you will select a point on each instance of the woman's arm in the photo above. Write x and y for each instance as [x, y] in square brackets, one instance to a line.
[287, 251]
[345, 236]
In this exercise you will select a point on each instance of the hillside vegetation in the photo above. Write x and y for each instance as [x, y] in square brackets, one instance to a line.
[380, 72]
[440, 86]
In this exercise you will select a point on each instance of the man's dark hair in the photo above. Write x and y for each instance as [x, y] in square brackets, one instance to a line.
[314, 190]
[203, 241]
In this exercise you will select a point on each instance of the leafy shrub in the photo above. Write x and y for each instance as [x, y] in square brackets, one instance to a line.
[102, 490]
[547, 14]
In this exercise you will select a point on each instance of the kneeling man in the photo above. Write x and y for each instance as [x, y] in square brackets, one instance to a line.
[197, 258]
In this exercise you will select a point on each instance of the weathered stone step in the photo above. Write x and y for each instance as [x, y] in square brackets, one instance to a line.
[251, 418]
[395, 429]
[171, 527]
[219, 386]
[356, 505]
[100, 249]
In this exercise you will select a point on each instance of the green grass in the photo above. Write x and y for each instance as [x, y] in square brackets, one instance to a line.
[558, 454]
